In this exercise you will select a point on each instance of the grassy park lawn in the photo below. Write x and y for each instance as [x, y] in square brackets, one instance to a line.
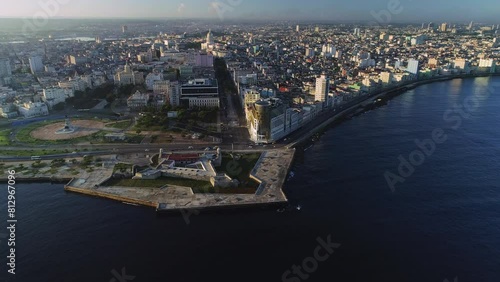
[240, 168]
[157, 183]
[24, 135]
[199, 187]
[121, 124]
[4, 137]
[27, 153]
[121, 167]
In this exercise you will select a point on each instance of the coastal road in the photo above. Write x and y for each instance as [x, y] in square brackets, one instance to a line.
[143, 149]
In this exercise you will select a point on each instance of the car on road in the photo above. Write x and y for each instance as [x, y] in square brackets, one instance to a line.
[190, 147]
[147, 150]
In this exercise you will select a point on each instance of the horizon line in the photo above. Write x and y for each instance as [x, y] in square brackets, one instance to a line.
[244, 19]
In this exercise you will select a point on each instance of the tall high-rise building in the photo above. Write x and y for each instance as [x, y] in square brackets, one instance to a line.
[310, 52]
[5, 69]
[444, 27]
[36, 64]
[471, 25]
[297, 28]
[210, 37]
[124, 29]
[174, 94]
[357, 31]
[412, 66]
[316, 29]
[322, 88]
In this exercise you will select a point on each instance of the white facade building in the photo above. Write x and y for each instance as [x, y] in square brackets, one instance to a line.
[138, 101]
[36, 64]
[174, 94]
[412, 66]
[31, 109]
[200, 93]
[488, 64]
[75, 84]
[152, 78]
[54, 96]
[322, 88]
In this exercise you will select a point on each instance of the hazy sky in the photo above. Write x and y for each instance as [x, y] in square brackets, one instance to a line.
[336, 10]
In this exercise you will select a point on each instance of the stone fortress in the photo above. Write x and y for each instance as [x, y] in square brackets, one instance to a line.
[189, 166]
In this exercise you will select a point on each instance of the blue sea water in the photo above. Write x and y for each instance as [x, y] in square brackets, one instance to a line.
[442, 222]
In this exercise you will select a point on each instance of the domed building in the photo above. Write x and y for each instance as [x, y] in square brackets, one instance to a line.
[209, 44]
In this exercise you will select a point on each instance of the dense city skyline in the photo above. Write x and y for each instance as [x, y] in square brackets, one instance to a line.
[321, 10]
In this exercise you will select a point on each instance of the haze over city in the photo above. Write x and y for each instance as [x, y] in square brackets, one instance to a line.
[318, 10]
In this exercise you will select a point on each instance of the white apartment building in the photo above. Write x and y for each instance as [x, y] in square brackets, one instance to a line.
[487, 64]
[322, 88]
[31, 109]
[412, 66]
[204, 102]
[201, 93]
[174, 94]
[138, 101]
[36, 64]
[5, 69]
[54, 96]
[152, 78]
[77, 84]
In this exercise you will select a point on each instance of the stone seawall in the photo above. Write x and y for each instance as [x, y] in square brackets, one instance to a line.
[110, 196]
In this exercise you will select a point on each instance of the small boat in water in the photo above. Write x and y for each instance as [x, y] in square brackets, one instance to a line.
[132, 204]
[298, 207]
